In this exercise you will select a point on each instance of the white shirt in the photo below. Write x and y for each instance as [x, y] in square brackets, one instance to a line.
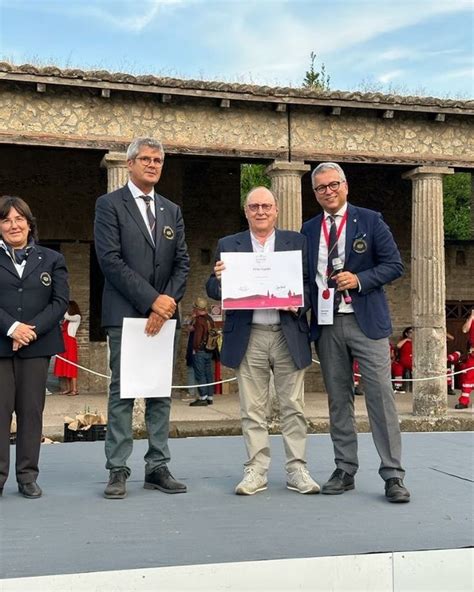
[74, 322]
[137, 193]
[321, 279]
[20, 267]
[265, 316]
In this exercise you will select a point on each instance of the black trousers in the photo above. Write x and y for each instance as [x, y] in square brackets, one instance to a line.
[22, 390]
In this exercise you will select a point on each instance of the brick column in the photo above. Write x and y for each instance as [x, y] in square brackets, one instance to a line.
[428, 291]
[286, 185]
[117, 171]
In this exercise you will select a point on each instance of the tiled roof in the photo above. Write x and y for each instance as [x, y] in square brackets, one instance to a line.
[270, 93]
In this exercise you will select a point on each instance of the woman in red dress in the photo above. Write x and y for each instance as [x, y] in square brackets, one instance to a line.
[62, 368]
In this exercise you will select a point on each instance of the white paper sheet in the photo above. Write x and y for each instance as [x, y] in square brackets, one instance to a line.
[146, 363]
[262, 280]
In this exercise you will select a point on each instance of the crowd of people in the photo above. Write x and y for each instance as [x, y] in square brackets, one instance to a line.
[347, 255]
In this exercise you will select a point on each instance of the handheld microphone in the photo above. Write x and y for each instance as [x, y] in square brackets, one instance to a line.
[338, 266]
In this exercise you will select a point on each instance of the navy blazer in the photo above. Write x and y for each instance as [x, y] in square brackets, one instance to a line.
[137, 271]
[379, 264]
[238, 323]
[40, 297]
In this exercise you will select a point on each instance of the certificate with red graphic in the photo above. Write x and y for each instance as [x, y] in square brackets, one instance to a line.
[262, 280]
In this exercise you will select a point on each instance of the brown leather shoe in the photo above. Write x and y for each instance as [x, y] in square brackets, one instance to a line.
[116, 487]
[30, 490]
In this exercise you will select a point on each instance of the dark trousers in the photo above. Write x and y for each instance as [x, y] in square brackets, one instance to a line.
[202, 364]
[119, 438]
[22, 390]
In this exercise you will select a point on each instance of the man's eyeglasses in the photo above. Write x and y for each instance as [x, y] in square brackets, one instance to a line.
[254, 207]
[147, 160]
[8, 222]
[333, 186]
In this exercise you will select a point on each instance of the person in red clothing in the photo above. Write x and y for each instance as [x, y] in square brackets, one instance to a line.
[467, 379]
[405, 353]
[397, 370]
[468, 328]
[62, 368]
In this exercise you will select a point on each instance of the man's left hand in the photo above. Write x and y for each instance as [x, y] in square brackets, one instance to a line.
[154, 324]
[346, 280]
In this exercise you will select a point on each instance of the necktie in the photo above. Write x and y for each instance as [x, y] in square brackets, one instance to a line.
[332, 254]
[149, 215]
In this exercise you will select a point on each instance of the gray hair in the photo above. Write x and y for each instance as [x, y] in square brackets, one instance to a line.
[260, 187]
[327, 166]
[134, 149]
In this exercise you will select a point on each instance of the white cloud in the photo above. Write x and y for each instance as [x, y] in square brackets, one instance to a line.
[389, 76]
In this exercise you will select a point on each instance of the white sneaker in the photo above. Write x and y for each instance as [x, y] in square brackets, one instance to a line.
[252, 482]
[301, 481]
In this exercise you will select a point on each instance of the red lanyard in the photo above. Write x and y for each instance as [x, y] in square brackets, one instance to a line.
[339, 230]
[338, 234]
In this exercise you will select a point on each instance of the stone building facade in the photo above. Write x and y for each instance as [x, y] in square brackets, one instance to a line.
[63, 134]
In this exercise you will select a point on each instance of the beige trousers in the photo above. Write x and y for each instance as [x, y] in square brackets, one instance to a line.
[268, 351]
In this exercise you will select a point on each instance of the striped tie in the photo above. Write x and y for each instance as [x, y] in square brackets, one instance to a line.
[332, 254]
[149, 215]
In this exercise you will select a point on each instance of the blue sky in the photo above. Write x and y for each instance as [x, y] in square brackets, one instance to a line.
[407, 46]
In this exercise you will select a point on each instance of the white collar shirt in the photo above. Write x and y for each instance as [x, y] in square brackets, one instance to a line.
[141, 205]
[265, 316]
[321, 279]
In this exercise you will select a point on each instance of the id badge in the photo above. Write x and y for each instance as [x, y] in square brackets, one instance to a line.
[326, 306]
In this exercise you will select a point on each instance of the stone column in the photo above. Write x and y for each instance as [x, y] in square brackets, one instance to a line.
[428, 289]
[117, 171]
[286, 185]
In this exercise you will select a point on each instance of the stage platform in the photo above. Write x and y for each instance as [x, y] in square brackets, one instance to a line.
[72, 529]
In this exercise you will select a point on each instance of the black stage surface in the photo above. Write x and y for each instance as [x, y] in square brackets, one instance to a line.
[73, 529]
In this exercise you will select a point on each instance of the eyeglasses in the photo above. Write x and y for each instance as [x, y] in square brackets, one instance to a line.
[8, 222]
[147, 160]
[254, 207]
[333, 186]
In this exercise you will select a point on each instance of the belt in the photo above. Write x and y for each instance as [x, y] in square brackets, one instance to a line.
[343, 314]
[266, 327]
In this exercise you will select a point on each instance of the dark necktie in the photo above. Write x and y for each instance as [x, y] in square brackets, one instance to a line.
[332, 254]
[149, 215]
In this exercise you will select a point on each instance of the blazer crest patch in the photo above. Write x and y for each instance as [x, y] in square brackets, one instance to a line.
[45, 279]
[168, 232]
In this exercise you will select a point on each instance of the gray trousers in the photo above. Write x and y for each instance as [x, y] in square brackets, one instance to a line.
[337, 347]
[119, 437]
[268, 351]
[23, 388]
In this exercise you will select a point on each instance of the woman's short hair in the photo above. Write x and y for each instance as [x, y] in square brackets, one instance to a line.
[7, 202]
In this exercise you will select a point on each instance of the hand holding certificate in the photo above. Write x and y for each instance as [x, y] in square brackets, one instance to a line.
[262, 280]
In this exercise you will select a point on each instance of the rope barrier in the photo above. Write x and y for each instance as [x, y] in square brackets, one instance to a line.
[188, 386]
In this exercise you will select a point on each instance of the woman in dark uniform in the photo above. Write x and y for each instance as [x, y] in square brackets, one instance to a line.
[34, 296]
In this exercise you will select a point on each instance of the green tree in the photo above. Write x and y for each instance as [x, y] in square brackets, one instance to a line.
[314, 79]
[457, 206]
[252, 175]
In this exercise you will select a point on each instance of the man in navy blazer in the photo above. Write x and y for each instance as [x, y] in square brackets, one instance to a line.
[259, 342]
[357, 327]
[141, 249]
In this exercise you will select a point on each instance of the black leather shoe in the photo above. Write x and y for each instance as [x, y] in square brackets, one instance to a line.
[30, 490]
[461, 406]
[339, 482]
[199, 403]
[395, 491]
[163, 480]
[116, 487]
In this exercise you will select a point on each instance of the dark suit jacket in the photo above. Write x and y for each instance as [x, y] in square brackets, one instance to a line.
[136, 271]
[40, 297]
[379, 264]
[237, 325]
